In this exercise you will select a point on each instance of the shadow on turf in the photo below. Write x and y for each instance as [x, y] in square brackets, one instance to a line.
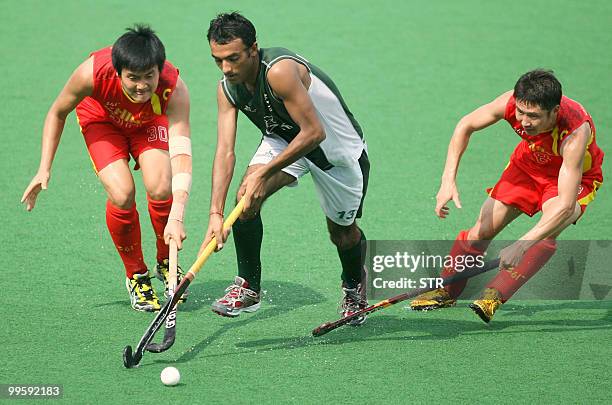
[289, 296]
[419, 327]
[192, 304]
[203, 294]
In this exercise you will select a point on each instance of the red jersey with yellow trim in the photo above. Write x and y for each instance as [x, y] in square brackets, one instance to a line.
[540, 153]
[109, 103]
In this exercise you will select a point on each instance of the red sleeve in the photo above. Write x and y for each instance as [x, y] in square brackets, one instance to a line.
[510, 109]
[103, 71]
[167, 83]
[572, 115]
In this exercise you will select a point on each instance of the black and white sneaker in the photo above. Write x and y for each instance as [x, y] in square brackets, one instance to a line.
[353, 301]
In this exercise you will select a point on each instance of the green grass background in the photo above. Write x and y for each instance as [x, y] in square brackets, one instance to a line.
[408, 70]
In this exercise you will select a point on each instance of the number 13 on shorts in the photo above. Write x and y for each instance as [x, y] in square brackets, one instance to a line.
[346, 215]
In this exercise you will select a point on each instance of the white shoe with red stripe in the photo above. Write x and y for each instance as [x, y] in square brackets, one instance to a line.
[238, 298]
[353, 301]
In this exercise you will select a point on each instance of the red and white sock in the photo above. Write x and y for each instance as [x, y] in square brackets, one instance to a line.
[124, 228]
[508, 281]
[462, 247]
[159, 212]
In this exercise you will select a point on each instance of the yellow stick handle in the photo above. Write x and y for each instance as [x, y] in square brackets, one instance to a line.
[229, 221]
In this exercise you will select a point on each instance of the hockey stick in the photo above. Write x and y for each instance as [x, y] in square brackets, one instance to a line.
[329, 326]
[170, 332]
[131, 358]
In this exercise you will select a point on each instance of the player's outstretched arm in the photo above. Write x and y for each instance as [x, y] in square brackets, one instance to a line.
[179, 145]
[223, 168]
[478, 119]
[78, 86]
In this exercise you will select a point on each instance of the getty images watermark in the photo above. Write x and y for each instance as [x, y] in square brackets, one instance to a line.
[579, 270]
[410, 263]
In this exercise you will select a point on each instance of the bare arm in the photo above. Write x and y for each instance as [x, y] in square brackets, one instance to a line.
[478, 119]
[286, 78]
[78, 86]
[289, 81]
[179, 132]
[223, 168]
[223, 165]
[561, 210]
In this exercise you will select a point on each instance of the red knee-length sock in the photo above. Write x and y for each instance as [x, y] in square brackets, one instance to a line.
[462, 247]
[508, 281]
[159, 212]
[124, 228]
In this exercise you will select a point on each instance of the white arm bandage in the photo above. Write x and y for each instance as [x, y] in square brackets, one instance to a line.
[177, 212]
[179, 145]
[181, 181]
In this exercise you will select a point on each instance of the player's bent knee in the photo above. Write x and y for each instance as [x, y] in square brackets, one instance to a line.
[121, 200]
[160, 194]
[338, 241]
[480, 232]
[160, 188]
[345, 239]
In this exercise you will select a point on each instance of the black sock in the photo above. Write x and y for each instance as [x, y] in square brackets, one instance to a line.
[247, 240]
[352, 260]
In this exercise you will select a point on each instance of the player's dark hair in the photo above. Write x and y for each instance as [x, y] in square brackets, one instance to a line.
[226, 27]
[139, 49]
[539, 87]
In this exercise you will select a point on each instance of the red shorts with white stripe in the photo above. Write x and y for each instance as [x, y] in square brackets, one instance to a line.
[527, 191]
[106, 143]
